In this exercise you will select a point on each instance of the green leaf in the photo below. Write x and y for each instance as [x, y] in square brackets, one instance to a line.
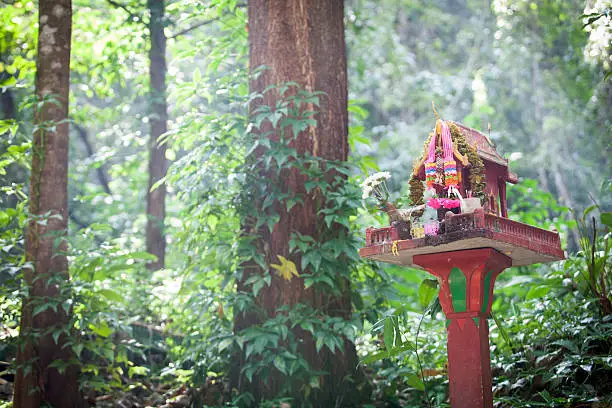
[248, 373]
[415, 382]
[41, 308]
[588, 210]
[398, 337]
[102, 330]
[109, 354]
[315, 382]
[111, 295]
[56, 335]
[257, 286]
[260, 343]
[537, 292]
[313, 258]
[606, 219]
[310, 184]
[388, 333]
[330, 343]
[435, 307]
[280, 365]
[427, 290]
[138, 370]
[368, 162]
[78, 348]
[225, 343]
[142, 255]
[358, 110]
[212, 221]
[319, 343]
[568, 344]
[307, 326]
[59, 364]
[502, 330]
[7, 83]
[371, 358]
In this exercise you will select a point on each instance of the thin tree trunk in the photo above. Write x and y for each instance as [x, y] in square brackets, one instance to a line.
[100, 172]
[548, 159]
[158, 165]
[8, 111]
[7, 101]
[44, 334]
[540, 140]
[303, 41]
[566, 200]
[7, 104]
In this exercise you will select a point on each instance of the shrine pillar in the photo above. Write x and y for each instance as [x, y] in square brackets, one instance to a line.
[466, 279]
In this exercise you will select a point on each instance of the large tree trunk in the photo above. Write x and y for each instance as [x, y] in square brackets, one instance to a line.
[158, 165]
[302, 41]
[44, 334]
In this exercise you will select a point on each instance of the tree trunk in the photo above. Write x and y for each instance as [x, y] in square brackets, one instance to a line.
[100, 171]
[158, 165]
[303, 41]
[44, 335]
[549, 158]
[540, 142]
[7, 104]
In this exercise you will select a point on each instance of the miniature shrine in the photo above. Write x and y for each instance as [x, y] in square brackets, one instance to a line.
[458, 230]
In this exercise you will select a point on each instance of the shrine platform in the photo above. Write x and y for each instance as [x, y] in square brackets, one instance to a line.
[523, 243]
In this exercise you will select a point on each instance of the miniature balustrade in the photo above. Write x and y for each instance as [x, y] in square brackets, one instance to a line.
[527, 235]
[534, 237]
[378, 236]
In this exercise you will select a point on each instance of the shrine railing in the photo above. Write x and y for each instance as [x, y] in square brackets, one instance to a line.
[520, 230]
[476, 221]
[377, 236]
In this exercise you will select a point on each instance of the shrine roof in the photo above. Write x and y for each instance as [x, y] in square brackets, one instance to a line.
[485, 148]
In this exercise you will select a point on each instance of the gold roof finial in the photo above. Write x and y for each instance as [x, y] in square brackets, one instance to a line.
[433, 106]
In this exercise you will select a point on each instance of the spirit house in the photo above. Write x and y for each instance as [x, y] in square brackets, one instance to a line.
[458, 231]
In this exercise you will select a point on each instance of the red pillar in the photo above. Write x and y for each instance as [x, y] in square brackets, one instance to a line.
[466, 282]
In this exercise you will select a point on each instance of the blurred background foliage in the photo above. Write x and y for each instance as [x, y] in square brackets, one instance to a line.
[534, 70]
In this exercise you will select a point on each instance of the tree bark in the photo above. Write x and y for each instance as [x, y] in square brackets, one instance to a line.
[303, 41]
[44, 335]
[158, 165]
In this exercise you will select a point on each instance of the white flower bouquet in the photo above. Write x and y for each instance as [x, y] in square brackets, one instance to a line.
[376, 186]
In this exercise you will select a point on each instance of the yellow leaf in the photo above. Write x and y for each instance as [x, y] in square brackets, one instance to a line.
[286, 269]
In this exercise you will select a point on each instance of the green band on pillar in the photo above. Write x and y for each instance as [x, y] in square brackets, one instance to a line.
[476, 321]
[457, 284]
[486, 288]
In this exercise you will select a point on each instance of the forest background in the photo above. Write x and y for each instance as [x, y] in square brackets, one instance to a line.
[161, 330]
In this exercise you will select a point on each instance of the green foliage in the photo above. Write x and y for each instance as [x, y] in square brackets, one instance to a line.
[324, 262]
[594, 260]
[13, 218]
[560, 351]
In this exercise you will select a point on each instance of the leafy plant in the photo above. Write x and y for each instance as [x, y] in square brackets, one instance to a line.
[595, 254]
